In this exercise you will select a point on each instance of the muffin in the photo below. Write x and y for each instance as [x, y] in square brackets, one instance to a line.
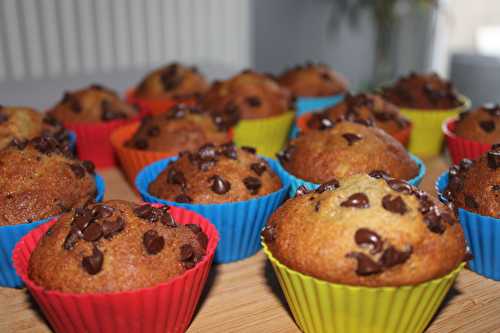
[367, 231]
[422, 91]
[346, 149]
[475, 185]
[174, 81]
[481, 125]
[90, 105]
[369, 108]
[182, 128]
[40, 178]
[216, 174]
[313, 80]
[23, 123]
[248, 95]
[115, 246]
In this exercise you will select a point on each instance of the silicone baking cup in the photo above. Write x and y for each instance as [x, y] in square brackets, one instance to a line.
[323, 307]
[154, 105]
[167, 307]
[11, 234]
[94, 142]
[403, 136]
[482, 234]
[295, 182]
[461, 148]
[427, 138]
[268, 135]
[134, 160]
[239, 223]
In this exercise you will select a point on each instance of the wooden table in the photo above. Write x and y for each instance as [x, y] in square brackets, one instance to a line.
[245, 296]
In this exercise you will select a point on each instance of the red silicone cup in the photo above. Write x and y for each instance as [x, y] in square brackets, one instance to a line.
[167, 307]
[461, 148]
[93, 141]
[154, 106]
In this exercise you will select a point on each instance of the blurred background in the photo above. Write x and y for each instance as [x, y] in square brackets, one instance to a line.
[53, 45]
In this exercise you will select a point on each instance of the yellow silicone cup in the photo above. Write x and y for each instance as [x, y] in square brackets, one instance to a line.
[268, 135]
[427, 138]
[323, 307]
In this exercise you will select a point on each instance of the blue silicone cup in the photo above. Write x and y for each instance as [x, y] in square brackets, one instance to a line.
[295, 182]
[72, 141]
[239, 223]
[482, 234]
[11, 234]
[305, 105]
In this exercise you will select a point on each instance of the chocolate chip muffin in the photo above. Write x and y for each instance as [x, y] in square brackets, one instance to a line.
[181, 128]
[482, 124]
[92, 104]
[216, 174]
[475, 185]
[313, 80]
[22, 123]
[248, 95]
[115, 246]
[366, 231]
[368, 108]
[174, 81]
[346, 149]
[40, 178]
[423, 91]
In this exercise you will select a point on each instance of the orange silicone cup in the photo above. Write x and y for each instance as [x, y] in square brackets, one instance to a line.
[152, 106]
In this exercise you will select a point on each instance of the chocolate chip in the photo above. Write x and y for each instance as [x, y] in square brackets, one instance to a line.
[470, 202]
[154, 131]
[93, 232]
[207, 152]
[182, 198]
[330, 185]
[19, 144]
[447, 218]
[141, 144]
[394, 204]
[102, 211]
[81, 219]
[493, 158]
[351, 138]
[259, 168]
[202, 239]
[108, 113]
[167, 220]
[250, 150]
[392, 257]
[433, 221]
[153, 242]
[252, 184]
[89, 166]
[379, 174]
[317, 206]
[495, 188]
[325, 76]
[110, 228]
[366, 266]
[206, 165]
[177, 178]
[400, 186]
[219, 184]
[78, 170]
[492, 109]
[144, 211]
[229, 150]
[71, 239]
[74, 103]
[194, 228]
[356, 200]
[269, 233]
[369, 239]
[466, 164]
[301, 190]
[286, 154]
[487, 125]
[93, 263]
[46, 144]
[186, 252]
[253, 101]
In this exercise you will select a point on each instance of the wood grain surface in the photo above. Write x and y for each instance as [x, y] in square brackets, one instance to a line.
[245, 296]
